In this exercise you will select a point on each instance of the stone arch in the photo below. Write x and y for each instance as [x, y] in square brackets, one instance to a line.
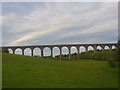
[18, 51]
[82, 49]
[37, 51]
[99, 47]
[106, 47]
[28, 51]
[90, 48]
[56, 51]
[10, 50]
[47, 51]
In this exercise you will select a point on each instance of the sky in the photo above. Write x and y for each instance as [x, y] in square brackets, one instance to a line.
[41, 23]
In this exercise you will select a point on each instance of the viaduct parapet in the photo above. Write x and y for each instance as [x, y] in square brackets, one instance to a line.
[69, 46]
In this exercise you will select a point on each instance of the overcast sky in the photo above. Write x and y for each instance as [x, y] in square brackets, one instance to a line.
[28, 23]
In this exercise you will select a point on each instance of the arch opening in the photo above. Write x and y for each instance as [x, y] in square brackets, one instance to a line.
[56, 51]
[99, 48]
[64, 50]
[106, 48]
[73, 50]
[113, 47]
[65, 53]
[27, 52]
[90, 48]
[82, 49]
[74, 53]
[18, 51]
[46, 51]
[37, 52]
[10, 50]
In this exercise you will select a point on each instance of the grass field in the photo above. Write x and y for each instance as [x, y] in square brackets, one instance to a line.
[32, 72]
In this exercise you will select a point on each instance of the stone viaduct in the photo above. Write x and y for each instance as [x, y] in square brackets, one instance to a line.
[41, 47]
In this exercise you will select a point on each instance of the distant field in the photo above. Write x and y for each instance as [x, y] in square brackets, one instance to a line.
[32, 72]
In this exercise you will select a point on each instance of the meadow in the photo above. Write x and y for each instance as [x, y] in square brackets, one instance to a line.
[33, 72]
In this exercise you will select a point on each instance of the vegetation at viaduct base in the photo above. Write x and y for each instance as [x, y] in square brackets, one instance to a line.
[111, 57]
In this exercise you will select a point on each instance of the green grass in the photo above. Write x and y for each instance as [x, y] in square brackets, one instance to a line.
[32, 72]
[0, 71]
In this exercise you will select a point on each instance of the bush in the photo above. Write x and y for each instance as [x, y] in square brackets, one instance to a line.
[99, 56]
[5, 51]
[112, 63]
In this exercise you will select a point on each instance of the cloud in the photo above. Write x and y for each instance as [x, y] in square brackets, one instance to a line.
[55, 23]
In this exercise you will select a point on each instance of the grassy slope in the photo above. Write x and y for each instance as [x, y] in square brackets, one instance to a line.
[23, 72]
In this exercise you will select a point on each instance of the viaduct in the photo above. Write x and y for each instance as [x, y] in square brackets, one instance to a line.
[41, 47]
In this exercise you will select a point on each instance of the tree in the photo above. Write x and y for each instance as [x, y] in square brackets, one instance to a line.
[5, 51]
